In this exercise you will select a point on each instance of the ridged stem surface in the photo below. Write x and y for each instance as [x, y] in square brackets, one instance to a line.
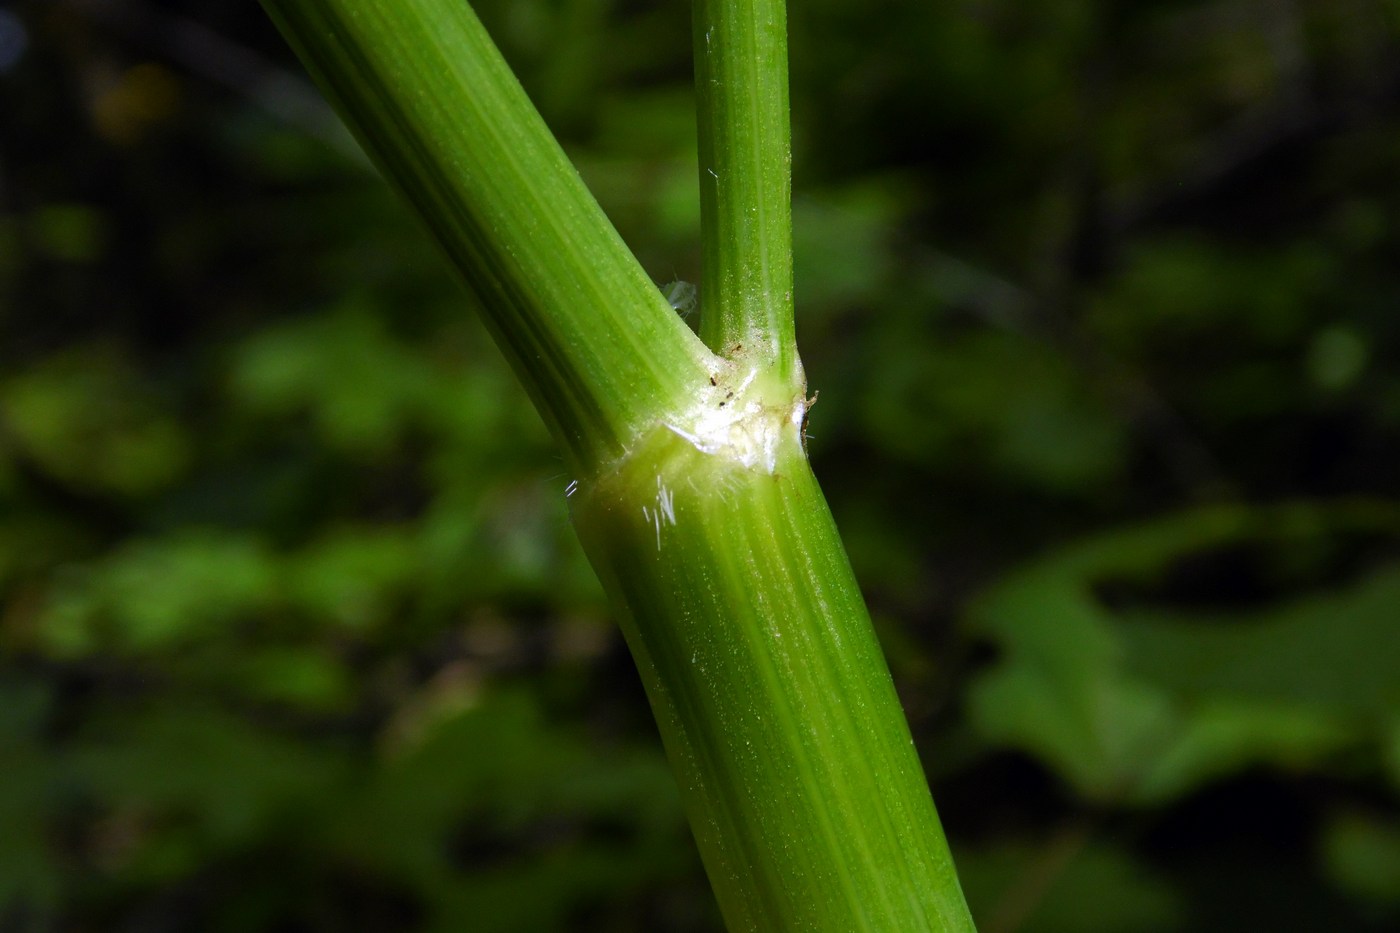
[741, 93]
[695, 502]
[770, 690]
[425, 91]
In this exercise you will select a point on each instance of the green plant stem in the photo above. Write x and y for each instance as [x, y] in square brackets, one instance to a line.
[741, 90]
[427, 94]
[695, 502]
[772, 696]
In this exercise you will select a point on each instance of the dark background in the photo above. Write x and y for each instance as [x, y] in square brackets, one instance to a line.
[1101, 299]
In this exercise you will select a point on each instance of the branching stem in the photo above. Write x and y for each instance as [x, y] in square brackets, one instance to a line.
[741, 86]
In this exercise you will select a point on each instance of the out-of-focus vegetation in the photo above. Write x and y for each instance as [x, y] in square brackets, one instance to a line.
[1103, 303]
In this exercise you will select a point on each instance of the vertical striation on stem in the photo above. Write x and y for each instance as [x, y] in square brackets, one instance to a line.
[741, 89]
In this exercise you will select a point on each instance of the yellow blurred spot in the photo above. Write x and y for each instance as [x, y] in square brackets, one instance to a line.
[144, 96]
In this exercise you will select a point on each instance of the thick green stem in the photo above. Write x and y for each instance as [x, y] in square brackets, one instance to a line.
[773, 699]
[429, 97]
[741, 90]
[695, 502]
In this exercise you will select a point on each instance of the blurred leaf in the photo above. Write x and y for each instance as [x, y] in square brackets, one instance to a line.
[354, 382]
[841, 246]
[159, 594]
[497, 776]
[200, 780]
[1337, 357]
[1362, 853]
[1182, 303]
[1391, 751]
[85, 417]
[30, 874]
[299, 676]
[1134, 706]
[1336, 652]
[1064, 888]
[31, 542]
[993, 400]
[353, 575]
[70, 232]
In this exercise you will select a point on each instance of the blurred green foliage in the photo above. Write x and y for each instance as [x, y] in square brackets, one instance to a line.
[1100, 298]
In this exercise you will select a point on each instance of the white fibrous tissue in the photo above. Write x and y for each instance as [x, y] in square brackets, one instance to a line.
[738, 420]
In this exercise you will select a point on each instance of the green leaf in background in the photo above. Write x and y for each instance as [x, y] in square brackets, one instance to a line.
[1337, 652]
[234, 781]
[1391, 752]
[1142, 705]
[31, 874]
[352, 576]
[68, 232]
[1009, 404]
[358, 385]
[160, 594]
[1065, 886]
[1362, 854]
[469, 775]
[87, 417]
